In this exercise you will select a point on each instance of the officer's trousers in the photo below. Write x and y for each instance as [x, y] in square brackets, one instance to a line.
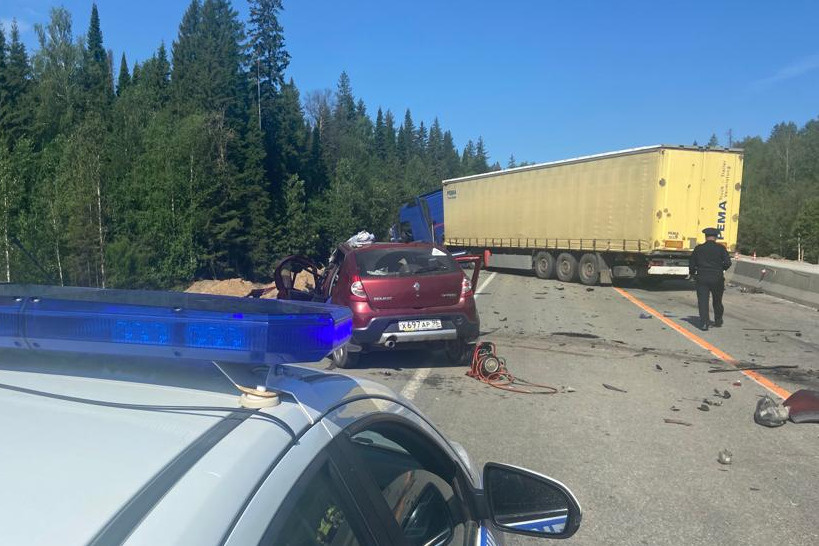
[713, 286]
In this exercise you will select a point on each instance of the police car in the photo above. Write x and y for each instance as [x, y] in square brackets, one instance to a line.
[165, 418]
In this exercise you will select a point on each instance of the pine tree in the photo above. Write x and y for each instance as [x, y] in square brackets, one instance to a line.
[187, 69]
[713, 141]
[293, 236]
[380, 135]
[512, 163]
[95, 66]
[124, 77]
[345, 101]
[290, 136]
[15, 89]
[269, 57]
[481, 164]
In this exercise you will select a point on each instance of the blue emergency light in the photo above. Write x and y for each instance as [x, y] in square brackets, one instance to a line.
[169, 324]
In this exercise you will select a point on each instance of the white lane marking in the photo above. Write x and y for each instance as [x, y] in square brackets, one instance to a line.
[485, 283]
[411, 388]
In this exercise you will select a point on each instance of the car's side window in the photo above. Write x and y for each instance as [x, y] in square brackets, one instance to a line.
[316, 514]
[416, 483]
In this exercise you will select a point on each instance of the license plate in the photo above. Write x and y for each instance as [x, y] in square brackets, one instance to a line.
[419, 325]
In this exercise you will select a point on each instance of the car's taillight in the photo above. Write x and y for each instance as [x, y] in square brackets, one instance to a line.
[357, 290]
[466, 287]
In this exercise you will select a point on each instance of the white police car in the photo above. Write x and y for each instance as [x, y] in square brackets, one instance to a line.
[164, 418]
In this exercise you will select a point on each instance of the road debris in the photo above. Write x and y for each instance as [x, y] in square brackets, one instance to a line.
[724, 394]
[678, 422]
[769, 330]
[725, 457]
[590, 289]
[737, 383]
[576, 334]
[803, 406]
[752, 368]
[675, 408]
[645, 316]
[504, 319]
[560, 287]
[658, 367]
[704, 407]
[712, 402]
[770, 414]
[613, 388]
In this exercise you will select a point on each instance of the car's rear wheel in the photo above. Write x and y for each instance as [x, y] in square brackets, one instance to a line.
[459, 352]
[544, 265]
[344, 358]
[567, 267]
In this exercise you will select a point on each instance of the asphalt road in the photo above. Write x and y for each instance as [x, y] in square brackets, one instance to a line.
[639, 480]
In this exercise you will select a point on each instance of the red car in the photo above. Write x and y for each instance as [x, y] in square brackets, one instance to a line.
[401, 295]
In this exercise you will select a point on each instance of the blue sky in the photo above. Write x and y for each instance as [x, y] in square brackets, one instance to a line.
[542, 79]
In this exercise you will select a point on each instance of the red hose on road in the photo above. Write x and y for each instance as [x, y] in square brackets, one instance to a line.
[491, 369]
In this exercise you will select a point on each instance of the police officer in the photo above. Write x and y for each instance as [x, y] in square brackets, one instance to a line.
[706, 265]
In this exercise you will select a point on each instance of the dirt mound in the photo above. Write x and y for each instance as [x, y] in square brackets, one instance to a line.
[230, 287]
[240, 288]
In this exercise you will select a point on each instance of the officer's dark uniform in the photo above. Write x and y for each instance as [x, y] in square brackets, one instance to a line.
[707, 264]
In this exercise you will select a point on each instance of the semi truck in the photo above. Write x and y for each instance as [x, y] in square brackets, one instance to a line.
[634, 214]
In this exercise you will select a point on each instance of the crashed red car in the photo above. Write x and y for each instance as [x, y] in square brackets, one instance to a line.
[401, 294]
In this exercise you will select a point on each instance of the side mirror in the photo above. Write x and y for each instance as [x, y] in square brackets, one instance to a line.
[526, 503]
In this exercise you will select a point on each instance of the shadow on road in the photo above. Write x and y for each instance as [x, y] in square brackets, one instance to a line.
[657, 286]
[407, 358]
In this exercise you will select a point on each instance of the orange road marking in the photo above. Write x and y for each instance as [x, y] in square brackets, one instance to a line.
[716, 351]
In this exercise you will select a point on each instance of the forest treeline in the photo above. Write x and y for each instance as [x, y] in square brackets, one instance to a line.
[203, 161]
[206, 161]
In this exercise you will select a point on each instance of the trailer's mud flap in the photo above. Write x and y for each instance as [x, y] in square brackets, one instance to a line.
[605, 270]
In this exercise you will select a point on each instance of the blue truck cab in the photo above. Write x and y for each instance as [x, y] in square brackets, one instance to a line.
[422, 219]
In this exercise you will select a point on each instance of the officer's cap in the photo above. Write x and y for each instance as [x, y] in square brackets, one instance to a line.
[711, 232]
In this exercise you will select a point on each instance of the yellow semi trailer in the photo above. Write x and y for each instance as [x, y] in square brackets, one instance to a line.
[632, 213]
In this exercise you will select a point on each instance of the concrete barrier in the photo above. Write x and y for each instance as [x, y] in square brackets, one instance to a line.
[791, 281]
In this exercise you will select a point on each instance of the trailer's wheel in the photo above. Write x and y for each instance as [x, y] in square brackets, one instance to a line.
[544, 265]
[567, 267]
[589, 270]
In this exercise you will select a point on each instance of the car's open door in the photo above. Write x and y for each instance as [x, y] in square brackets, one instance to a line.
[476, 262]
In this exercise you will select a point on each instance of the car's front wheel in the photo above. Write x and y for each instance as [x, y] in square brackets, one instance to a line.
[344, 358]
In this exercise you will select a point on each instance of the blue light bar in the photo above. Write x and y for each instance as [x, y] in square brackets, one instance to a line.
[170, 324]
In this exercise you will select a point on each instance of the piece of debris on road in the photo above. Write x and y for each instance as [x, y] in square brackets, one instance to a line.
[613, 388]
[678, 422]
[725, 457]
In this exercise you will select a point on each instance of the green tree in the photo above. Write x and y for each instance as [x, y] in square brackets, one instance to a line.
[294, 235]
[124, 79]
[713, 141]
[269, 56]
[95, 67]
[15, 89]
[57, 69]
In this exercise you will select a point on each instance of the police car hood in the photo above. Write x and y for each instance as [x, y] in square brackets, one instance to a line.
[74, 450]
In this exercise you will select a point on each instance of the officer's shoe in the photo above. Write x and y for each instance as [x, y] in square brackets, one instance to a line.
[704, 326]
[717, 323]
